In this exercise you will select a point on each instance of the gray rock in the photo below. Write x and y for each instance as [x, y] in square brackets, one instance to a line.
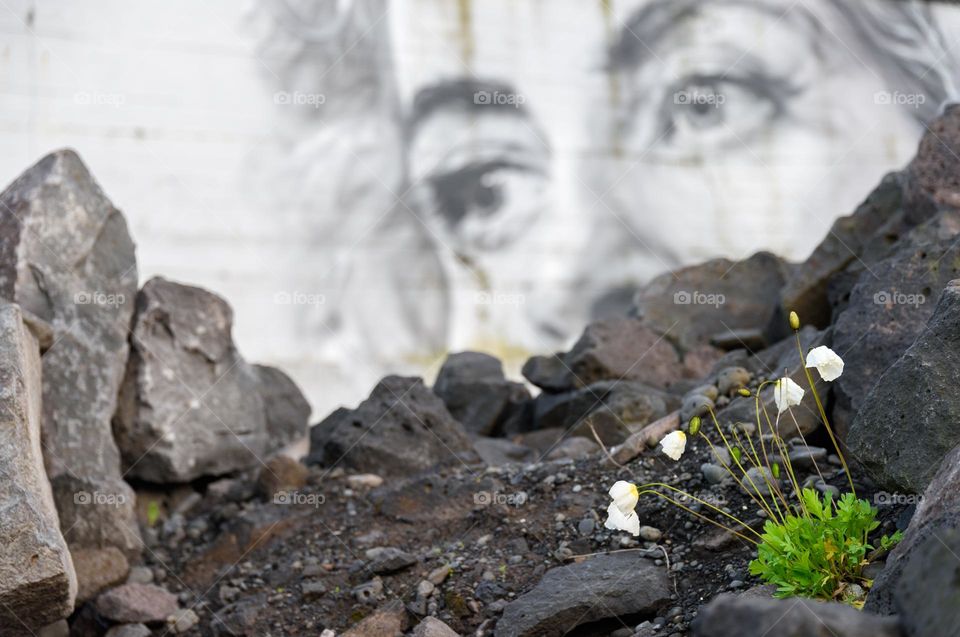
[927, 595]
[631, 403]
[98, 569]
[697, 303]
[285, 407]
[753, 616]
[730, 379]
[806, 456]
[66, 257]
[477, 394]
[937, 515]
[805, 290]
[129, 630]
[190, 405]
[888, 309]
[183, 621]
[56, 629]
[572, 448]
[714, 474]
[433, 627]
[37, 580]
[389, 559]
[549, 373]
[132, 603]
[620, 349]
[602, 587]
[498, 452]
[239, 618]
[911, 418]
[756, 480]
[401, 429]
[695, 405]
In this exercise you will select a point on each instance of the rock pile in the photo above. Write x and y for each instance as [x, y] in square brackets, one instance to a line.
[475, 506]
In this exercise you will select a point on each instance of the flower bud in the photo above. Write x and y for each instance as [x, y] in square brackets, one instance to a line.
[776, 470]
[794, 321]
[735, 452]
[743, 391]
[694, 427]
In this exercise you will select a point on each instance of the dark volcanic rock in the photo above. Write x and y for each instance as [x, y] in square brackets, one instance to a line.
[933, 177]
[403, 428]
[606, 586]
[190, 405]
[477, 394]
[287, 410]
[622, 349]
[911, 418]
[632, 403]
[696, 304]
[927, 595]
[750, 616]
[936, 516]
[37, 580]
[806, 288]
[66, 257]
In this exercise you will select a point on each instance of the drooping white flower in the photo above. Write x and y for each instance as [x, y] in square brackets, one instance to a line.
[786, 394]
[673, 444]
[827, 362]
[621, 514]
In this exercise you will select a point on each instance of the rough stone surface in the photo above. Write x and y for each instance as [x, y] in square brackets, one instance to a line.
[927, 596]
[937, 514]
[401, 429]
[190, 405]
[631, 402]
[387, 621]
[37, 581]
[433, 627]
[622, 349]
[133, 603]
[806, 288]
[888, 309]
[286, 408]
[695, 304]
[129, 630]
[98, 569]
[66, 257]
[601, 587]
[911, 418]
[477, 394]
[755, 616]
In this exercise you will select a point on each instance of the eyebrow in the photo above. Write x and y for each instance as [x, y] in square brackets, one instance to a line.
[462, 94]
[657, 19]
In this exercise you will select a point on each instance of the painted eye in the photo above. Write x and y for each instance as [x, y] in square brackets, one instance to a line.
[486, 204]
[715, 111]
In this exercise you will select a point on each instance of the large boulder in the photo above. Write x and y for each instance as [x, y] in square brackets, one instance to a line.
[602, 587]
[756, 616]
[910, 419]
[697, 304]
[403, 428]
[477, 394]
[285, 407]
[631, 404]
[190, 405]
[37, 581]
[936, 517]
[66, 257]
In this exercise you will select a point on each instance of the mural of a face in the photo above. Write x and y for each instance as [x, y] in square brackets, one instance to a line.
[537, 163]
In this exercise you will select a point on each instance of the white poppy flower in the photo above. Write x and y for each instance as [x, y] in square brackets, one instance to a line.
[827, 362]
[621, 514]
[786, 394]
[674, 443]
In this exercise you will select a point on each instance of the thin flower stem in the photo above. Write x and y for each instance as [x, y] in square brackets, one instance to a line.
[785, 456]
[700, 515]
[774, 489]
[823, 413]
[762, 502]
[804, 440]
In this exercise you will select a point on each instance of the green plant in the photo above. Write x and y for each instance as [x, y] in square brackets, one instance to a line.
[809, 547]
[822, 553]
